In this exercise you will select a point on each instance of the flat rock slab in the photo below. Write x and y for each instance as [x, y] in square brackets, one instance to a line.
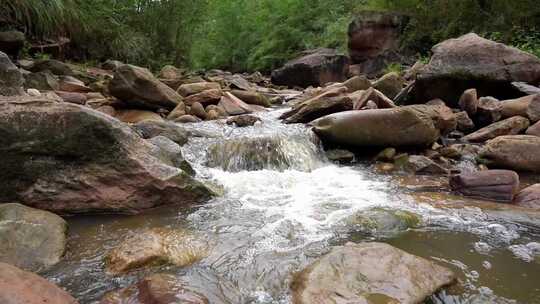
[369, 273]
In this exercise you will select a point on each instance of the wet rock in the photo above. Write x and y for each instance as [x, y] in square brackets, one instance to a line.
[516, 152]
[497, 185]
[374, 40]
[11, 43]
[410, 126]
[44, 81]
[511, 126]
[474, 62]
[206, 97]
[156, 289]
[170, 72]
[189, 89]
[111, 65]
[516, 107]
[357, 83]
[384, 167]
[383, 222]
[21, 287]
[137, 87]
[187, 119]
[529, 197]
[72, 84]
[369, 273]
[11, 79]
[419, 164]
[77, 98]
[31, 239]
[341, 156]
[266, 152]
[488, 111]
[252, 97]
[316, 68]
[243, 120]
[318, 107]
[154, 247]
[233, 106]
[219, 110]
[212, 115]
[386, 155]
[464, 122]
[54, 66]
[468, 102]
[135, 116]
[171, 153]
[534, 130]
[390, 84]
[80, 160]
[148, 129]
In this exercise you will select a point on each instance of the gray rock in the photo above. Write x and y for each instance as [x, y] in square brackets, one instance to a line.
[149, 128]
[419, 164]
[11, 79]
[31, 239]
[44, 81]
[390, 84]
[529, 197]
[339, 155]
[369, 273]
[54, 66]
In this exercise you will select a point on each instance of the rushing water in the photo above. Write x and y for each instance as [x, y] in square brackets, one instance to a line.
[285, 205]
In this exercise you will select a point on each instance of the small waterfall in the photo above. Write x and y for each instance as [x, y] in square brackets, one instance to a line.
[277, 152]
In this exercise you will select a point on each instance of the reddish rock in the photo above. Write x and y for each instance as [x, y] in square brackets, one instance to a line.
[534, 129]
[529, 197]
[497, 185]
[234, 106]
[21, 287]
[471, 61]
[316, 68]
[511, 126]
[468, 102]
[156, 289]
[206, 97]
[516, 152]
[72, 97]
[374, 40]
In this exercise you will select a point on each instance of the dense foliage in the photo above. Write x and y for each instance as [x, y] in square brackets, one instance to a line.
[253, 34]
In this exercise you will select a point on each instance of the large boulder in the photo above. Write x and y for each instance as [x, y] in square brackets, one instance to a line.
[418, 125]
[517, 152]
[374, 40]
[156, 289]
[497, 185]
[11, 43]
[11, 79]
[153, 247]
[369, 273]
[149, 128]
[511, 126]
[529, 197]
[31, 239]
[518, 106]
[68, 158]
[316, 68]
[471, 61]
[137, 87]
[21, 287]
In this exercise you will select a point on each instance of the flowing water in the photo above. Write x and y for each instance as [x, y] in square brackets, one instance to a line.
[285, 205]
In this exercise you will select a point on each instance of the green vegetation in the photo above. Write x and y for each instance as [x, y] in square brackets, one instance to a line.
[253, 34]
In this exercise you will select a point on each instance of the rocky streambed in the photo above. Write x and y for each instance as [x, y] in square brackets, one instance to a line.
[224, 188]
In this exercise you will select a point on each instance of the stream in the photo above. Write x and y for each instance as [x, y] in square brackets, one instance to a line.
[286, 205]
